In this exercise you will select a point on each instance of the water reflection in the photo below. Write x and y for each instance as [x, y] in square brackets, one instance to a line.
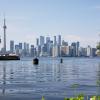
[4, 78]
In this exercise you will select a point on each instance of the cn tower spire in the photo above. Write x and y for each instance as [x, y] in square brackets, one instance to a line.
[4, 28]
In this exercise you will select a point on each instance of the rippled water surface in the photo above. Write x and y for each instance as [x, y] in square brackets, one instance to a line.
[52, 79]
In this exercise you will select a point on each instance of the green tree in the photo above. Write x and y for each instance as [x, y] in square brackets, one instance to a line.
[98, 46]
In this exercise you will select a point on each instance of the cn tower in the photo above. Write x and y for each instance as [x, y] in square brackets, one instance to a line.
[4, 27]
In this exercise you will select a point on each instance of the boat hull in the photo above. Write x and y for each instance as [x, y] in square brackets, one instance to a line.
[9, 58]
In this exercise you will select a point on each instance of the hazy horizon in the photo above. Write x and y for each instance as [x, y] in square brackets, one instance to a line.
[75, 20]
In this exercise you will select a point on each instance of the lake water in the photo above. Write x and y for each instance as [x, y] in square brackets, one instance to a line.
[21, 80]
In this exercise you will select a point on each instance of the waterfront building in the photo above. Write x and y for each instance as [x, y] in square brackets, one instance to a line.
[38, 50]
[32, 51]
[50, 48]
[55, 41]
[73, 45]
[47, 40]
[35, 52]
[37, 42]
[59, 40]
[48, 45]
[44, 50]
[64, 43]
[93, 52]
[63, 50]
[17, 49]
[20, 46]
[11, 46]
[26, 49]
[82, 52]
[56, 51]
[69, 51]
[42, 41]
[77, 48]
[88, 51]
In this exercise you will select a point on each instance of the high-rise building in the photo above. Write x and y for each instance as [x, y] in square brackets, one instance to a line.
[56, 51]
[55, 41]
[17, 49]
[37, 42]
[93, 52]
[82, 51]
[42, 40]
[50, 48]
[26, 49]
[32, 51]
[20, 46]
[73, 45]
[48, 45]
[64, 43]
[12, 46]
[65, 51]
[38, 50]
[44, 50]
[47, 40]
[88, 51]
[77, 48]
[59, 40]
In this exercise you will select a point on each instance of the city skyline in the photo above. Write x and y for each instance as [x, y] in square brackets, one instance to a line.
[47, 47]
[74, 20]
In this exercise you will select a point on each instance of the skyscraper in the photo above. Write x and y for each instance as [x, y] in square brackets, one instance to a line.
[37, 42]
[47, 40]
[41, 40]
[64, 43]
[25, 49]
[77, 48]
[20, 46]
[11, 46]
[59, 39]
[55, 51]
[73, 45]
[48, 45]
[55, 41]
[17, 49]
[89, 51]
[32, 51]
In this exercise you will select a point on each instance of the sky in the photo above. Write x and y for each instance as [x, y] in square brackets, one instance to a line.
[75, 20]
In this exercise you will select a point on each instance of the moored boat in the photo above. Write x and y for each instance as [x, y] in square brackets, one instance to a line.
[9, 57]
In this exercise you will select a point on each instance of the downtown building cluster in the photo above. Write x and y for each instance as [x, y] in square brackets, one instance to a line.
[51, 48]
[47, 47]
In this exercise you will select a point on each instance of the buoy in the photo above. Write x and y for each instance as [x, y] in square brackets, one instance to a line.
[36, 61]
[61, 60]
